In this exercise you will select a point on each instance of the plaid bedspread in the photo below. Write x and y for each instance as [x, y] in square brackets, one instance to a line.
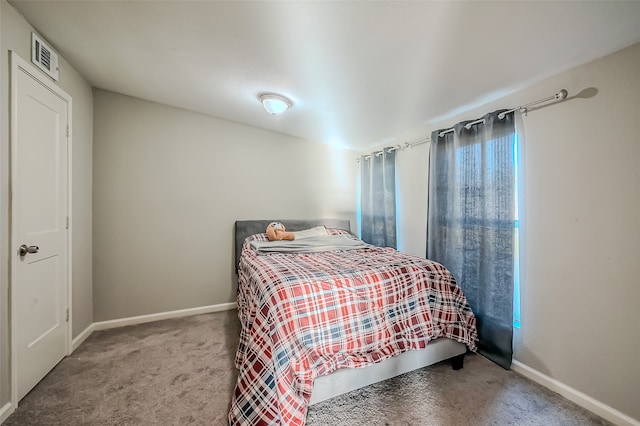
[307, 314]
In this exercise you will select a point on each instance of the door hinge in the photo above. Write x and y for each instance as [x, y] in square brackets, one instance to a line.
[67, 222]
[67, 130]
[67, 314]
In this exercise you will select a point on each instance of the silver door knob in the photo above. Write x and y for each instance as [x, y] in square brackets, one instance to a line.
[24, 250]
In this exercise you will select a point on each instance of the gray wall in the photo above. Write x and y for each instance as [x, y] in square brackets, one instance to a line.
[15, 34]
[168, 186]
[580, 236]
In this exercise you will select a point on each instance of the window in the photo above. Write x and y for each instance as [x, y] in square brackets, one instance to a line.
[378, 198]
[516, 241]
[473, 223]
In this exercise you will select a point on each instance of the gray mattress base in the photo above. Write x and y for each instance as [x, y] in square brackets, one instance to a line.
[348, 379]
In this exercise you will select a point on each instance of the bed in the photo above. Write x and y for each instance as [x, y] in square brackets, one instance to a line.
[317, 322]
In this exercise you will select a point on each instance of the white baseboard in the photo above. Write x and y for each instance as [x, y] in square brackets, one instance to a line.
[103, 325]
[6, 411]
[583, 400]
[141, 319]
[77, 341]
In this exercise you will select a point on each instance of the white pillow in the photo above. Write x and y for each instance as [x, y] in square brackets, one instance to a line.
[313, 232]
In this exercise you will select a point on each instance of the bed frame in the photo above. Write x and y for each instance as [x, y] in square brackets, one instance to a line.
[346, 379]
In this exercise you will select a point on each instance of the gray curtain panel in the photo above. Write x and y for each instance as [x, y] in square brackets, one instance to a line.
[378, 198]
[471, 223]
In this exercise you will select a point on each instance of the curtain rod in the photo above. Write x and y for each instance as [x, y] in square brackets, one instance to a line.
[561, 95]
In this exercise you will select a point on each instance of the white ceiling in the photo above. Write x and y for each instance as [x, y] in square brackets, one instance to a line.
[358, 73]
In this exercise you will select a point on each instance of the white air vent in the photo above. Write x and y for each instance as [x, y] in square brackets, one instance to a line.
[45, 58]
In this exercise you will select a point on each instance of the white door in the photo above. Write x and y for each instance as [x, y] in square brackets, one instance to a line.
[39, 187]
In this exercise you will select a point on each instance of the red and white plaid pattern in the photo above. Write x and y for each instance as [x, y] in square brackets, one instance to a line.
[305, 315]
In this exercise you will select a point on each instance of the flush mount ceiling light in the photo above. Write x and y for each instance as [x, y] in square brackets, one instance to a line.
[275, 104]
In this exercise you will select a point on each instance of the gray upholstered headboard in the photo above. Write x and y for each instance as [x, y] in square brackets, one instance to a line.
[245, 228]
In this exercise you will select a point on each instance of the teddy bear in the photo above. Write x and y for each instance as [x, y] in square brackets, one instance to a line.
[276, 232]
